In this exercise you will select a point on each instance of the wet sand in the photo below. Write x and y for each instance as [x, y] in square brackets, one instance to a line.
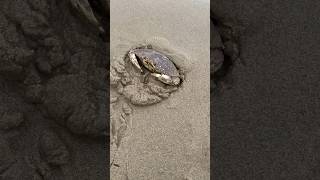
[267, 125]
[52, 93]
[169, 139]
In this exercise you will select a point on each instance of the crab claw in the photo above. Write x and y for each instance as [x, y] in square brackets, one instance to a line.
[134, 61]
[174, 81]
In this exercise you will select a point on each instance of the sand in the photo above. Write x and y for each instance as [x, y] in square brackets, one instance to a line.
[52, 93]
[267, 125]
[168, 139]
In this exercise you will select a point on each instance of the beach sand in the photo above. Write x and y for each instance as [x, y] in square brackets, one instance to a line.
[267, 125]
[169, 139]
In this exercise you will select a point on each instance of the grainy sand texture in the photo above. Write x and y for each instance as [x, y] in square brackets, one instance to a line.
[267, 125]
[52, 92]
[160, 132]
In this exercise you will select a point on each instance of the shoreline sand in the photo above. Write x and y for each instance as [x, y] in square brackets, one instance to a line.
[170, 139]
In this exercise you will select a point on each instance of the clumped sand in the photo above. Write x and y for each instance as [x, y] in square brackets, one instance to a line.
[53, 95]
[160, 132]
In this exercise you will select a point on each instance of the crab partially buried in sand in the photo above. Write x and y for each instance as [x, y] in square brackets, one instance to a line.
[148, 72]
[155, 63]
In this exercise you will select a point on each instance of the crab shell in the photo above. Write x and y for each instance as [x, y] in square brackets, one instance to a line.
[157, 63]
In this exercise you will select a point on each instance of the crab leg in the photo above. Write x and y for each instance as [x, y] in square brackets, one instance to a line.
[167, 79]
[146, 77]
[164, 78]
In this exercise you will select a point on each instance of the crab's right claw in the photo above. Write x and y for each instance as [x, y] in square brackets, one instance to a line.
[134, 61]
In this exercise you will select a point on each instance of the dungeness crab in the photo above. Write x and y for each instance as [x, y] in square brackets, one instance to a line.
[155, 63]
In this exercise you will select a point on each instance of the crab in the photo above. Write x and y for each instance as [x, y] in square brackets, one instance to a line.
[151, 62]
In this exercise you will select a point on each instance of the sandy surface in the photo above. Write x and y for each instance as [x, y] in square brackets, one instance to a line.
[267, 125]
[52, 93]
[169, 139]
